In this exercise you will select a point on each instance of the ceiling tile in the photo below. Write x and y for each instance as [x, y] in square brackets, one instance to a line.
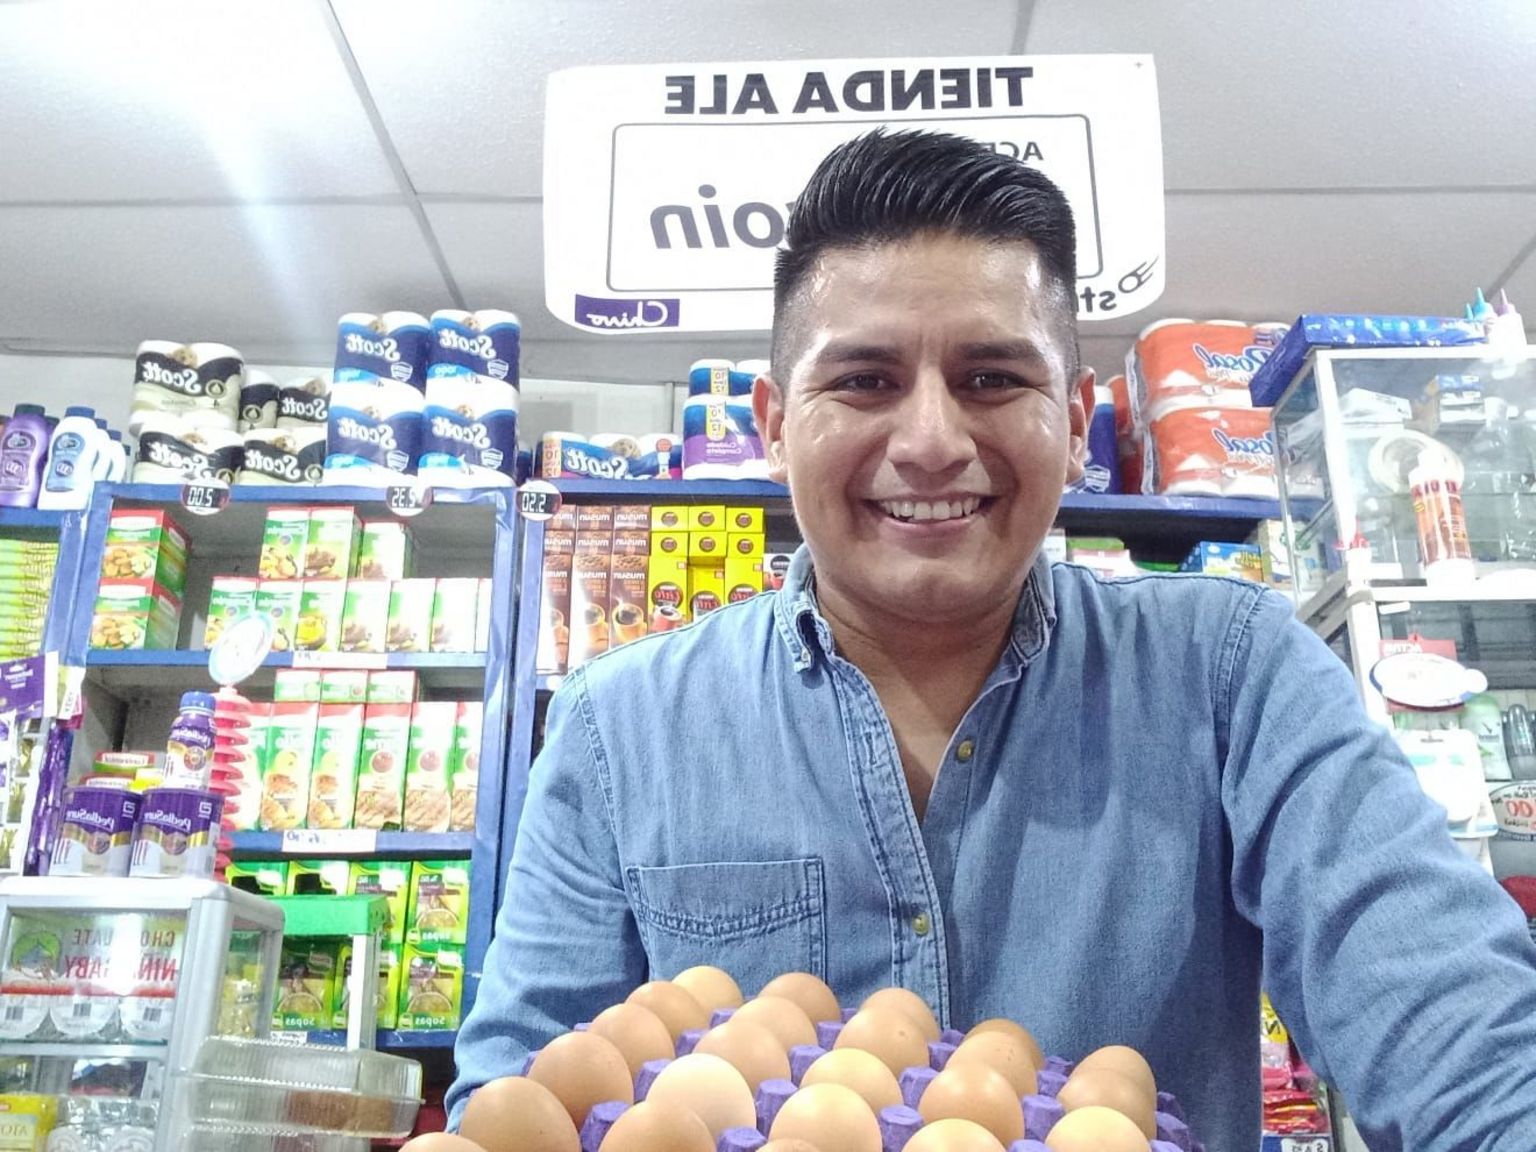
[1314, 93]
[462, 91]
[270, 280]
[495, 252]
[1521, 287]
[179, 99]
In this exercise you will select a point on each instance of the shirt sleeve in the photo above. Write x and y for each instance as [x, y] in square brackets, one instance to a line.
[566, 945]
[1405, 973]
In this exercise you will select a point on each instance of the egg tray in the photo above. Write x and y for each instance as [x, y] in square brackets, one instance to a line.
[898, 1123]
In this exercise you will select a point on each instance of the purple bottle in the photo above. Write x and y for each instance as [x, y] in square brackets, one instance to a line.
[23, 452]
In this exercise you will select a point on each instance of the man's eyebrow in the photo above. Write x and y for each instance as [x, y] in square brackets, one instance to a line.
[1024, 350]
[851, 352]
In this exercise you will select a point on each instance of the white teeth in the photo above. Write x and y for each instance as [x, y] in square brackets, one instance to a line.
[907, 509]
[923, 510]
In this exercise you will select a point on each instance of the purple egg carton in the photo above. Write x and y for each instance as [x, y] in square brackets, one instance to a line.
[952, 1036]
[1027, 1145]
[827, 1033]
[602, 1117]
[1049, 1082]
[771, 1096]
[1057, 1064]
[1040, 1115]
[898, 1124]
[523, 1068]
[849, 1014]
[689, 1040]
[647, 1076]
[1172, 1130]
[914, 1082]
[801, 1057]
[720, 1015]
[939, 1054]
[740, 1140]
[1169, 1103]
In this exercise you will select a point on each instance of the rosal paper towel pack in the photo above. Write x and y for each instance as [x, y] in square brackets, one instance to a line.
[606, 456]
[469, 428]
[173, 450]
[200, 382]
[373, 437]
[393, 346]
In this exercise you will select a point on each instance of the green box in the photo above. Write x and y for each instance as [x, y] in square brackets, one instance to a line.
[454, 609]
[264, 877]
[230, 598]
[365, 616]
[392, 686]
[439, 908]
[306, 986]
[388, 1001]
[145, 544]
[295, 685]
[278, 600]
[319, 877]
[381, 761]
[429, 768]
[133, 614]
[319, 623]
[282, 544]
[464, 764]
[410, 615]
[332, 543]
[343, 686]
[387, 551]
[333, 780]
[390, 879]
[432, 988]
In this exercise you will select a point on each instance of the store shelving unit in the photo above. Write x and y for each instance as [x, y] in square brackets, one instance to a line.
[35, 520]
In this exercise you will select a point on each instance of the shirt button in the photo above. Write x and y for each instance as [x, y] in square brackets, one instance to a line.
[920, 924]
[966, 750]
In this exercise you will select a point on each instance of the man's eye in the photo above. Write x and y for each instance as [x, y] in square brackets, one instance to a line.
[994, 381]
[861, 382]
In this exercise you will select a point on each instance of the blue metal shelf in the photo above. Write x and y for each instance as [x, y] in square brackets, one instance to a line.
[269, 845]
[288, 494]
[171, 670]
[198, 657]
[30, 519]
[1192, 507]
[664, 491]
[391, 1040]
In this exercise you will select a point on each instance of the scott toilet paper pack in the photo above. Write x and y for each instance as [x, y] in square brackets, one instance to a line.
[469, 426]
[172, 450]
[374, 433]
[393, 346]
[303, 403]
[258, 401]
[606, 456]
[200, 382]
[283, 456]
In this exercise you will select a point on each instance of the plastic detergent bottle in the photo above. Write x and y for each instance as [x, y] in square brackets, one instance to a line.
[189, 751]
[73, 455]
[1499, 493]
[107, 451]
[23, 452]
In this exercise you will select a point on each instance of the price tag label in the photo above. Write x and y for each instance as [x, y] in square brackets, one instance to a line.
[1306, 1144]
[538, 500]
[205, 497]
[408, 499]
[289, 1037]
[325, 841]
[372, 661]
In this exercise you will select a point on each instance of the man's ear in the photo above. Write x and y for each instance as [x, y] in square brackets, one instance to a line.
[1080, 401]
[768, 409]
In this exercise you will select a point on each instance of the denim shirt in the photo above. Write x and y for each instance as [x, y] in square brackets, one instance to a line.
[1166, 786]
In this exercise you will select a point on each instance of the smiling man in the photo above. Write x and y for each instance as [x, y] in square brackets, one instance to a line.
[934, 760]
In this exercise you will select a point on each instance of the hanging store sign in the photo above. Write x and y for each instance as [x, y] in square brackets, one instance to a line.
[667, 187]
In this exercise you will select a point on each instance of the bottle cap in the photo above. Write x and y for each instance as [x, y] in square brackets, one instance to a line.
[79, 410]
[199, 700]
[28, 410]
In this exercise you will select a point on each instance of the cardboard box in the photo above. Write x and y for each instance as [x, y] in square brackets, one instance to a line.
[263, 877]
[630, 543]
[365, 616]
[229, 598]
[776, 568]
[145, 544]
[296, 685]
[483, 615]
[385, 551]
[432, 989]
[319, 623]
[134, 614]
[564, 520]
[559, 543]
[390, 879]
[589, 606]
[627, 589]
[290, 757]
[744, 545]
[706, 546]
[594, 519]
[410, 616]
[455, 609]
[343, 686]
[242, 807]
[282, 544]
[335, 536]
[669, 518]
[706, 518]
[464, 767]
[553, 652]
[706, 588]
[744, 520]
[427, 775]
[1238, 561]
[392, 686]
[439, 905]
[666, 583]
[386, 742]
[632, 518]
[387, 1008]
[333, 779]
[306, 986]
[319, 877]
[278, 600]
[743, 578]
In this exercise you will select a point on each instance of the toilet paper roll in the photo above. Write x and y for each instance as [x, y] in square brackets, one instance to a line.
[179, 379]
[484, 343]
[469, 430]
[373, 436]
[718, 378]
[393, 346]
[258, 401]
[605, 456]
[173, 451]
[283, 456]
[720, 440]
[303, 403]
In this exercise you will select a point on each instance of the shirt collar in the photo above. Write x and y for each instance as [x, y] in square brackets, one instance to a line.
[806, 634]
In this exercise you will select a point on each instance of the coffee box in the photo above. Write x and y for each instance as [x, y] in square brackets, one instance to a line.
[319, 877]
[320, 608]
[343, 686]
[306, 985]
[229, 598]
[563, 520]
[742, 545]
[390, 879]
[744, 520]
[432, 988]
[708, 546]
[278, 600]
[455, 607]
[386, 551]
[409, 628]
[365, 616]
[627, 589]
[427, 778]
[743, 578]
[332, 543]
[145, 544]
[439, 905]
[631, 518]
[666, 582]
[553, 652]
[776, 568]
[483, 616]
[283, 537]
[386, 742]
[263, 877]
[290, 757]
[297, 685]
[630, 543]
[589, 605]
[134, 614]
[706, 588]
[392, 686]
[339, 736]
[706, 518]
[464, 765]
[669, 518]
[594, 519]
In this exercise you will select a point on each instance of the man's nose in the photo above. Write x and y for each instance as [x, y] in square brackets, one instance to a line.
[932, 430]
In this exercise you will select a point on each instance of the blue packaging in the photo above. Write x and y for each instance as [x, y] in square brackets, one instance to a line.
[469, 430]
[394, 346]
[720, 440]
[562, 454]
[484, 343]
[373, 435]
[1101, 470]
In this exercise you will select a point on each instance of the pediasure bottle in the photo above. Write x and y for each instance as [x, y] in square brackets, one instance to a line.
[23, 451]
[189, 751]
[74, 454]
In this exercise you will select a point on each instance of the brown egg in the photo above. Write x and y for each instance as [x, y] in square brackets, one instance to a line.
[977, 1093]
[712, 987]
[749, 1048]
[835, 1116]
[892, 1036]
[953, 1135]
[655, 1127]
[1099, 1087]
[856, 1069]
[909, 1002]
[709, 1088]
[678, 1010]
[516, 1114]
[440, 1142]
[1126, 1061]
[784, 1018]
[789, 1145]
[1095, 1130]
[1018, 1032]
[811, 993]
[636, 1032]
[581, 1070]
[1002, 1052]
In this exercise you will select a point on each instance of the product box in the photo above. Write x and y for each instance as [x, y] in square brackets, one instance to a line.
[464, 767]
[320, 608]
[343, 686]
[432, 989]
[296, 685]
[439, 904]
[386, 741]
[26, 1120]
[365, 616]
[744, 520]
[290, 756]
[559, 543]
[776, 565]
[553, 651]
[706, 518]
[390, 879]
[264, 877]
[589, 605]
[594, 519]
[632, 518]
[630, 543]
[319, 877]
[387, 1010]
[427, 776]
[455, 609]
[282, 544]
[706, 547]
[666, 583]
[1240, 561]
[335, 536]
[743, 578]
[278, 600]
[410, 615]
[669, 518]
[386, 551]
[745, 545]
[627, 586]
[564, 520]
[483, 615]
[134, 614]
[145, 544]
[706, 588]
[306, 986]
[393, 686]
[333, 782]
[230, 598]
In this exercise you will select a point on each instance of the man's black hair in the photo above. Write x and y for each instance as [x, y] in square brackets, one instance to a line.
[884, 187]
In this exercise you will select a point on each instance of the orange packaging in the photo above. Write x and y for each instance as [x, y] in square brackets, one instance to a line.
[627, 583]
[1214, 452]
[555, 614]
[1183, 364]
[589, 604]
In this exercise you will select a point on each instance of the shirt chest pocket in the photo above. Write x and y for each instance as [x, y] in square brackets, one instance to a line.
[755, 920]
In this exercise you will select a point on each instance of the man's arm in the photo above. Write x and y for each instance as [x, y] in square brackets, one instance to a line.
[1405, 973]
[566, 945]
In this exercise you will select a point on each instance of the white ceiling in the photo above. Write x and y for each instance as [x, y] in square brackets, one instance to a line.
[246, 170]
